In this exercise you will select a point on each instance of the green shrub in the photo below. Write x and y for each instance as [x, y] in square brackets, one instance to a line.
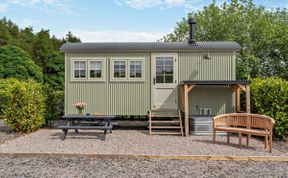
[24, 104]
[270, 97]
[54, 104]
[16, 63]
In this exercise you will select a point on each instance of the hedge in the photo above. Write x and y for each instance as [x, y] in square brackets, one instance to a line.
[270, 97]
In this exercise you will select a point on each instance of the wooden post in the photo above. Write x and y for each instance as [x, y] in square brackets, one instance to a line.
[248, 98]
[186, 109]
[182, 98]
[238, 90]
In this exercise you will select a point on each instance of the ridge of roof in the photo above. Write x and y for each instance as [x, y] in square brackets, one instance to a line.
[149, 46]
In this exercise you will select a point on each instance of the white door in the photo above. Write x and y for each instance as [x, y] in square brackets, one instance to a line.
[164, 81]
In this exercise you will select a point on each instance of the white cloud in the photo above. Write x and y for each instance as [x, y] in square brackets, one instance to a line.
[4, 7]
[61, 6]
[118, 36]
[161, 4]
[26, 22]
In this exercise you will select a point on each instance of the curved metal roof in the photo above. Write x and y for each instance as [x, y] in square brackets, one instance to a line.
[150, 46]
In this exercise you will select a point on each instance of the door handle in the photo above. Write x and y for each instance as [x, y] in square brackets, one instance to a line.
[154, 80]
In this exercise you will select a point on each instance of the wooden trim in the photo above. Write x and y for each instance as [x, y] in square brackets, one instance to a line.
[248, 98]
[190, 87]
[238, 99]
[242, 87]
[186, 109]
[143, 156]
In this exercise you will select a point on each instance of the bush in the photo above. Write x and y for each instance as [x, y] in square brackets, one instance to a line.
[270, 97]
[54, 104]
[16, 63]
[24, 104]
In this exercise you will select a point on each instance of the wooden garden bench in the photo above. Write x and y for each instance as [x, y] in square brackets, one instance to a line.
[244, 123]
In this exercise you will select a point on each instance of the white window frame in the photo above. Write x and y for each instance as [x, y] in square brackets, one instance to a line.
[102, 70]
[127, 69]
[88, 78]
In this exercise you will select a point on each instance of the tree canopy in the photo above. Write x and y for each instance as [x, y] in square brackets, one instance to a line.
[16, 63]
[41, 46]
[262, 33]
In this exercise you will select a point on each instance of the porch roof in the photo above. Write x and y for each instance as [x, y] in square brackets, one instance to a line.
[215, 82]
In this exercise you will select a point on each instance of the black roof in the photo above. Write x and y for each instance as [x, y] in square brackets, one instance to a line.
[215, 82]
[150, 46]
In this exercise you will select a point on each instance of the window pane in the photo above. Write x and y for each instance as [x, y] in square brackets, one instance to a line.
[160, 79]
[76, 65]
[122, 74]
[82, 65]
[96, 65]
[116, 74]
[132, 74]
[76, 74]
[92, 73]
[82, 73]
[138, 74]
[98, 73]
[169, 79]
[159, 70]
[122, 66]
[169, 61]
[168, 69]
[159, 61]
[92, 64]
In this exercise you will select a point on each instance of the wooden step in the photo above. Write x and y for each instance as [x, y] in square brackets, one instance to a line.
[165, 122]
[165, 127]
[165, 133]
[164, 115]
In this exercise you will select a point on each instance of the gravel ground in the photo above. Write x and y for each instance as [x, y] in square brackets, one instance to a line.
[96, 167]
[131, 142]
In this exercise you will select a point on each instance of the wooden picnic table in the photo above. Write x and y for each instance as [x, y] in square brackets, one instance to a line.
[86, 122]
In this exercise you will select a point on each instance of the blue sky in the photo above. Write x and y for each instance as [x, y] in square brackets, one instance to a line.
[107, 20]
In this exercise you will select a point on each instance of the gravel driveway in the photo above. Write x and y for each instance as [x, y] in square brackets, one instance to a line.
[131, 142]
[96, 167]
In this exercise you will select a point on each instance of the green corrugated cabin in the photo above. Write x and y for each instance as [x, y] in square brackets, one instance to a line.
[132, 78]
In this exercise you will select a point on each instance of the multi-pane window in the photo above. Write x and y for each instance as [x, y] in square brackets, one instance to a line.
[130, 70]
[119, 69]
[164, 70]
[79, 69]
[135, 69]
[95, 69]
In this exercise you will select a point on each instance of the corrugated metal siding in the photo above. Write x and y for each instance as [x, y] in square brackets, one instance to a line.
[133, 98]
[192, 66]
[117, 98]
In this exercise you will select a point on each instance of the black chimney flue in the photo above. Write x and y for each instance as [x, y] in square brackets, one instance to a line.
[192, 24]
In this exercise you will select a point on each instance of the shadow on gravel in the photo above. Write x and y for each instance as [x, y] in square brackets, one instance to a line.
[80, 135]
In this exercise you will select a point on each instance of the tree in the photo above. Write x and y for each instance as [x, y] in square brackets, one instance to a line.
[43, 48]
[55, 71]
[263, 35]
[71, 38]
[16, 63]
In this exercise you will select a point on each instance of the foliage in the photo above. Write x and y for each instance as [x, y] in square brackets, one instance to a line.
[55, 71]
[16, 63]
[270, 97]
[24, 106]
[54, 104]
[262, 33]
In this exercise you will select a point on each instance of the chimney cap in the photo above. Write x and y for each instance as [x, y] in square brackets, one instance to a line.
[191, 20]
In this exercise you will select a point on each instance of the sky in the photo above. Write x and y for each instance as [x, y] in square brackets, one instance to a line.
[108, 20]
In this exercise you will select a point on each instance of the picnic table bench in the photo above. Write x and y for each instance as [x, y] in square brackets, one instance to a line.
[86, 122]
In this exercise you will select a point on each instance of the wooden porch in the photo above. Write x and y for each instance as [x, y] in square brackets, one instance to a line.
[237, 85]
